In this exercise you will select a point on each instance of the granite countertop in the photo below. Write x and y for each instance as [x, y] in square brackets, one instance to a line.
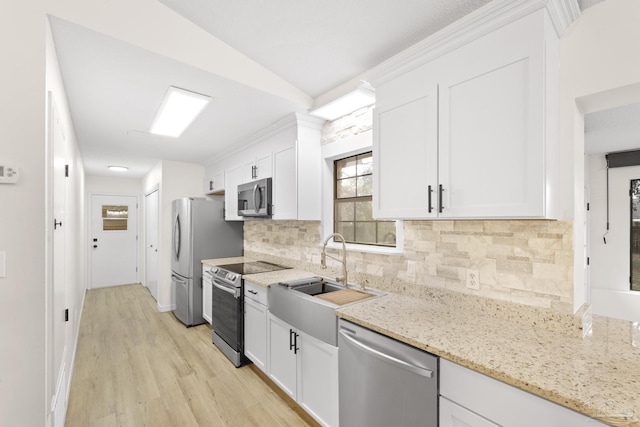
[214, 262]
[598, 375]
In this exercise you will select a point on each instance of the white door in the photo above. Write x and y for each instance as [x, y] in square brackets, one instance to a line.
[114, 233]
[59, 291]
[151, 242]
[281, 363]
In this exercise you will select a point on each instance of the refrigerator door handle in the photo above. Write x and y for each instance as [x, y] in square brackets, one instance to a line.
[177, 279]
[176, 236]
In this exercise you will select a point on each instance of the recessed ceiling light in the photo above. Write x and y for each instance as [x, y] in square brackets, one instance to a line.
[178, 110]
[118, 168]
[346, 104]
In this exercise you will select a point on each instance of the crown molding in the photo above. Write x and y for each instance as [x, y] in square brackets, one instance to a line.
[287, 122]
[477, 24]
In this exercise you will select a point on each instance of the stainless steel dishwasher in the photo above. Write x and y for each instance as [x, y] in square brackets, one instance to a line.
[384, 382]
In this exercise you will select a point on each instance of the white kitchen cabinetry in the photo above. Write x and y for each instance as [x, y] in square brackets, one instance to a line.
[289, 153]
[469, 134]
[232, 178]
[207, 287]
[305, 368]
[215, 184]
[470, 399]
[255, 324]
[257, 167]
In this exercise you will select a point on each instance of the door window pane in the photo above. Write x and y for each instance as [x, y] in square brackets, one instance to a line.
[114, 218]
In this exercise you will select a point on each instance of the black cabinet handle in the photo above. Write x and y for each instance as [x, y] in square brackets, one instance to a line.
[291, 345]
[429, 191]
[295, 343]
[440, 207]
[210, 185]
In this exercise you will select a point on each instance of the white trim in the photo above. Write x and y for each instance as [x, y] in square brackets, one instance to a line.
[165, 308]
[356, 144]
[477, 24]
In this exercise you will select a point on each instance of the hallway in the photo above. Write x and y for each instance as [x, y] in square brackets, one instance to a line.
[138, 367]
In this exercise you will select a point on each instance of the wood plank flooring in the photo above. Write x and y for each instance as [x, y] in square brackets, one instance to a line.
[138, 367]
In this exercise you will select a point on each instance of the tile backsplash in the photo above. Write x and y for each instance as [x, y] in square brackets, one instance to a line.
[529, 262]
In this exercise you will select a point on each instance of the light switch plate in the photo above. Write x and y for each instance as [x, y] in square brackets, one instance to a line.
[3, 271]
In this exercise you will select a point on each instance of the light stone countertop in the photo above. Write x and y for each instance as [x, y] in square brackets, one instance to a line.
[215, 262]
[598, 375]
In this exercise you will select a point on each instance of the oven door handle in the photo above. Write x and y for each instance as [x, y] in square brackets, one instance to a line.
[226, 289]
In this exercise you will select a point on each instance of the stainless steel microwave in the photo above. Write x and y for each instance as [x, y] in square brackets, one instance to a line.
[254, 198]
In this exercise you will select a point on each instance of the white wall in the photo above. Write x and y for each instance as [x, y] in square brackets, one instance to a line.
[597, 56]
[74, 226]
[22, 234]
[174, 180]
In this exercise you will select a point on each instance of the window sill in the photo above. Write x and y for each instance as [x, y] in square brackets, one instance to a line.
[352, 247]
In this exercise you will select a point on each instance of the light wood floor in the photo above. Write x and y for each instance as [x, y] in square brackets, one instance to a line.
[138, 367]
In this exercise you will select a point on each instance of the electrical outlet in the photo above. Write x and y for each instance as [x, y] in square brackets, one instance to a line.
[473, 279]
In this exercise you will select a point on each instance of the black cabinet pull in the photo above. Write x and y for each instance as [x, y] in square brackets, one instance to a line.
[440, 207]
[291, 345]
[295, 343]
[429, 191]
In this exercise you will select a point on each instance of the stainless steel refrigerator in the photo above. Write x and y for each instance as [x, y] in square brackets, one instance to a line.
[199, 232]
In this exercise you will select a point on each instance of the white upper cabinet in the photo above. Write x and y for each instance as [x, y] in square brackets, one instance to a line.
[470, 134]
[215, 184]
[405, 150]
[289, 153]
[257, 167]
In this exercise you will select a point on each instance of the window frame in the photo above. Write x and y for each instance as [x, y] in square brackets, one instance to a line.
[354, 145]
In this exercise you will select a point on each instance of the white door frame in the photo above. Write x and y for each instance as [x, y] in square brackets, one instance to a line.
[90, 229]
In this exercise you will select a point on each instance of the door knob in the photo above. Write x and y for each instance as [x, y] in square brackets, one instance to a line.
[56, 223]
[95, 246]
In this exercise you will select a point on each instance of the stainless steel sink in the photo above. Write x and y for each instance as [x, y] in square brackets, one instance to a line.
[295, 302]
[318, 287]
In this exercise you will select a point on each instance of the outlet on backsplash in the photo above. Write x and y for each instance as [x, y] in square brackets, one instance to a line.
[473, 279]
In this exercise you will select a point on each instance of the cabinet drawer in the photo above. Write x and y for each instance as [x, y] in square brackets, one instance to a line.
[255, 292]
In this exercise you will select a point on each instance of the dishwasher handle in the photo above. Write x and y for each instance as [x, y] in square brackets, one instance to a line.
[428, 373]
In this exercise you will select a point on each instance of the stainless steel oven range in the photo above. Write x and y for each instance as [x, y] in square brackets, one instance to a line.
[228, 305]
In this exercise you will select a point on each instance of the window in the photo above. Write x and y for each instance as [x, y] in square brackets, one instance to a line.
[353, 179]
[634, 195]
[114, 218]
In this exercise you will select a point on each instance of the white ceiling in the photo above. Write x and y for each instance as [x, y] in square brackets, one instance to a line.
[616, 129]
[114, 88]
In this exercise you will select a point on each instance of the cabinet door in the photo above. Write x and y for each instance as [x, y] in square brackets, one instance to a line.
[206, 299]
[405, 137]
[281, 359]
[285, 188]
[249, 171]
[264, 166]
[491, 142]
[318, 379]
[232, 178]
[453, 415]
[255, 333]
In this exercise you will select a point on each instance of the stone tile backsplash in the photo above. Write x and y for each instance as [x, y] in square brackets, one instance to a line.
[529, 262]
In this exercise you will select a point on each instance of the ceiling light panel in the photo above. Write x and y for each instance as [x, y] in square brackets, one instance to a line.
[178, 110]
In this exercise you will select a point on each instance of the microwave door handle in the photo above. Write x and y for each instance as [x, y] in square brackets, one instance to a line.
[256, 204]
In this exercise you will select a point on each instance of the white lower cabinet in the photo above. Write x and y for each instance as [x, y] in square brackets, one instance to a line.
[305, 368]
[471, 399]
[207, 286]
[454, 415]
[255, 324]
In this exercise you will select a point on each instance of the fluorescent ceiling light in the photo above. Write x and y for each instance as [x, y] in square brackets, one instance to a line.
[346, 104]
[178, 110]
[118, 168]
